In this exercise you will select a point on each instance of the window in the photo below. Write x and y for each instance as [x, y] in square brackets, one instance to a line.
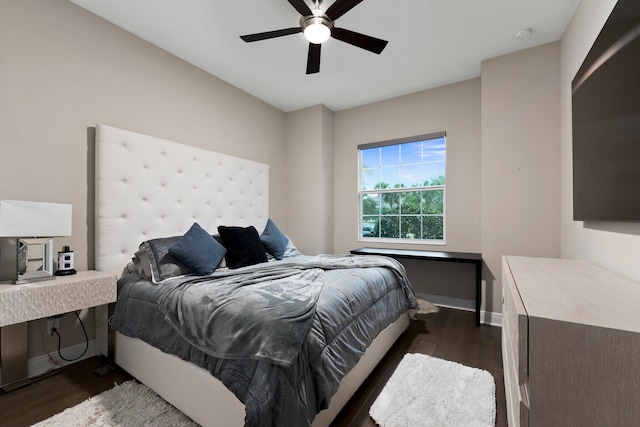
[402, 189]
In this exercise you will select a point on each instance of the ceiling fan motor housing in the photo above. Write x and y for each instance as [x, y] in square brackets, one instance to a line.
[317, 20]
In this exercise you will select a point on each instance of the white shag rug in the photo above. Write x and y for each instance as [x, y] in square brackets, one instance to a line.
[129, 404]
[427, 392]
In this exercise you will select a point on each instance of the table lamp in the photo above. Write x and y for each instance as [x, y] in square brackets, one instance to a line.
[34, 224]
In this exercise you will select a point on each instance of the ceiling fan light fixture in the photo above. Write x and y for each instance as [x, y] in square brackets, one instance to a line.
[317, 33]
[316, 28]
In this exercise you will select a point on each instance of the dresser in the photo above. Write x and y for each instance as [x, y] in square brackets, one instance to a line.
[570, 344]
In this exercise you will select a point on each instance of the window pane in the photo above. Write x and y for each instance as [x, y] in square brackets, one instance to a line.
[411, 153]
[370, 226]
[433, 202]
[371, 158]
[434, 161]
[434, 173]
[390, 227]
[410, 227]
[370, 178]
[390, 177]
[411, 202]
[433, 227]
[370, 204]
[411, 175]
[434, 150]
[390, 155]
[390, 203]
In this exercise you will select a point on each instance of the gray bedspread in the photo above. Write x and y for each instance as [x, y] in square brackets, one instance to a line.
[328, 310]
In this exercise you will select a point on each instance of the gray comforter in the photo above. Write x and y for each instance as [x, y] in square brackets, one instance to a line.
[279, 335]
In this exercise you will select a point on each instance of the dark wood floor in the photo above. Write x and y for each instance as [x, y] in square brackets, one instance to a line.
[449, 334]
[48, 396]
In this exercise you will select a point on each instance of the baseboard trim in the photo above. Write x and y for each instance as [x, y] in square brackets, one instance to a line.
[41, 365]
[486, 317]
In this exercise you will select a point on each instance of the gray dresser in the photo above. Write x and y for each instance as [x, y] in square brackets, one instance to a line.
[570, 344]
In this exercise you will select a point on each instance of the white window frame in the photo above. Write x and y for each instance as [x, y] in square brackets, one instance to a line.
[362, 193]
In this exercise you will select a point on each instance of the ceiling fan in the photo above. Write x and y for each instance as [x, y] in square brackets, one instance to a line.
[317, 26]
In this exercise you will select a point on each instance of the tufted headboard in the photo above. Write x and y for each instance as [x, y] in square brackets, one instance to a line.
[148, 187]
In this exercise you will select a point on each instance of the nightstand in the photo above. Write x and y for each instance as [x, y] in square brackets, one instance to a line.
[20, 304]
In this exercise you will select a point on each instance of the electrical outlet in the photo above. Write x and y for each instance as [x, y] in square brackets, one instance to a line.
[53, 322]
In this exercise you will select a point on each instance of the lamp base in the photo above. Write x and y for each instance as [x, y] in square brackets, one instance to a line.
[68, 272]
[32, 279]
[34, 259]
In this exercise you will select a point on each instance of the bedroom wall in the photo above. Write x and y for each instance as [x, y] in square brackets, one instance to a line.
[309, 165]
[455, 109]
[520, 159]
[62, 70]
[614, 246]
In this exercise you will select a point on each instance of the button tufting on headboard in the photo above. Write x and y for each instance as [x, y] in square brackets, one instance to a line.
[148, 187]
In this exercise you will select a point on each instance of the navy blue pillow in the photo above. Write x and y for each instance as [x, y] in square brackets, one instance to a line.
[198, 250]
[275, 241]
[243, 246]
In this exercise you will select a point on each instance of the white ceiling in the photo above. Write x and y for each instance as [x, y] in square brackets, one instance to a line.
[431, 43]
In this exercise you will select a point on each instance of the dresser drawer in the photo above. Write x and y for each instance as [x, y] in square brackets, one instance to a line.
[515, 394]
[516, 326]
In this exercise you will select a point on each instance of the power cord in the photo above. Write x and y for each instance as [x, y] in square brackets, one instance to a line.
[86, 337]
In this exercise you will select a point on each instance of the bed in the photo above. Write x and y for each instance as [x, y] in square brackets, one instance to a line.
[150, 190]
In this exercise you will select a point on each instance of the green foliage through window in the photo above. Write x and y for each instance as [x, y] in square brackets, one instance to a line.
[402, 189]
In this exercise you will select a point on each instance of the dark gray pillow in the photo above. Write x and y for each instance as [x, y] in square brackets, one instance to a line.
[198, 250]
[142, 264]
[163, 264]
[243, 246]
[275, 242]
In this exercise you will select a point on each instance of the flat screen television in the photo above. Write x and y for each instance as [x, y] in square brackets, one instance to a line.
[606, 122]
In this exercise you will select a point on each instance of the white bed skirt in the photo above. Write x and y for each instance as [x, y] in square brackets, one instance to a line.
[202, 397]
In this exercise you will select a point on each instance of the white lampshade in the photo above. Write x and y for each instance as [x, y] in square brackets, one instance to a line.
[34, 219]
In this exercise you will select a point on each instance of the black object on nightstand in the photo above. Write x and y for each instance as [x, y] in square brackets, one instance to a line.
[65, 262]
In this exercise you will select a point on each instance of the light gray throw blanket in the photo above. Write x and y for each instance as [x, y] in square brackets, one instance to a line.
[277, 302]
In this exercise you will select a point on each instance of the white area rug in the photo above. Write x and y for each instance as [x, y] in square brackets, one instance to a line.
[129, 404]
[426, 392]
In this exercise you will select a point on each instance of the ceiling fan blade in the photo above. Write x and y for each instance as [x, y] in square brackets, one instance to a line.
[313, 58]
[369, 43]
[270, 34]
[340, 7]
[301, 7]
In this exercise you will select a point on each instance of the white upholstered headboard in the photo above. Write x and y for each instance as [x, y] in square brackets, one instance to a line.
[148, 187]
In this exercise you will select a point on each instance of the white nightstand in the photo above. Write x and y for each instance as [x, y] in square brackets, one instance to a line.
[21, 303]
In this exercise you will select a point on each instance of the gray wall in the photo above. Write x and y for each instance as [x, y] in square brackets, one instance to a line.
[520, 159]
[309, 170]
[62, 70]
